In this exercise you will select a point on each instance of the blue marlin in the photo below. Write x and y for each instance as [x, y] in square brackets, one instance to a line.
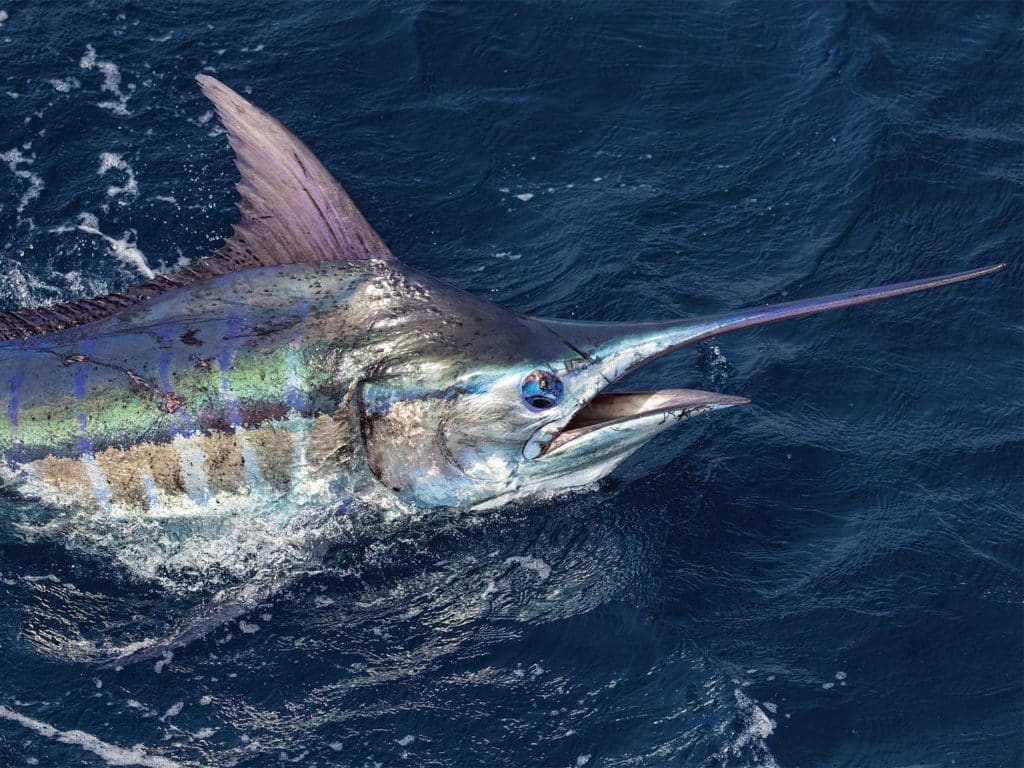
[302, 354]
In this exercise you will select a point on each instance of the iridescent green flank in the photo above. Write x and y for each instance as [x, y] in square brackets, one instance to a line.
[123, 415]
[218, 361]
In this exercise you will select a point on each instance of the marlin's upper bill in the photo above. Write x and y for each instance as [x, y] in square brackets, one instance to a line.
[302, 354]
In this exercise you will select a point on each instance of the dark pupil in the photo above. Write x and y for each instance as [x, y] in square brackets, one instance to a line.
[542, 390]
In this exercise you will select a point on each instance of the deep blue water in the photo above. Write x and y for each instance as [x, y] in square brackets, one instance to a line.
[831, 576]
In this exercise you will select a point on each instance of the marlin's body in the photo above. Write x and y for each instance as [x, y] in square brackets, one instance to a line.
[220, 387]
[238, 384]
[303, 354]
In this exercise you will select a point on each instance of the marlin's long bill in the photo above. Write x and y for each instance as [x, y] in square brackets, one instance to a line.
[620, 347]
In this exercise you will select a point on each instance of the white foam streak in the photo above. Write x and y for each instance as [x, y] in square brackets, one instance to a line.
[123, 248]
[14, 160]
[111, 754]
[66, 85]
[111, 81]
[26, 289]
[538, 566]
[751, 740]
[109, 161]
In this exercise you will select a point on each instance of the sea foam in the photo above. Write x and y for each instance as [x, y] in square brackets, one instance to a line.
[15, 160]
[111, 754]
[111, 81]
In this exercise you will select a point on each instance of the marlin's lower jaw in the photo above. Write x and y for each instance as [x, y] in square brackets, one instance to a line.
[622, 421]
[601, 434]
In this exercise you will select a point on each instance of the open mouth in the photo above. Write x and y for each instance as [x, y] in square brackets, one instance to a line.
[624, 409]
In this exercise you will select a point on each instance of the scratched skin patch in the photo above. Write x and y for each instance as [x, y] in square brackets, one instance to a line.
[399, 443]
[163, 464]
[66, 477]
[125, 473]
[275, 452]
[329, 441]
[225, 463]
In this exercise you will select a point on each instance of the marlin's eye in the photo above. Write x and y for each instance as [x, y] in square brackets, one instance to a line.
[542, 389]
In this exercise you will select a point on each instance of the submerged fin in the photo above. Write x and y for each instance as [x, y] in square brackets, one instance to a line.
[293, 211]
[236, 602]
[221, 610]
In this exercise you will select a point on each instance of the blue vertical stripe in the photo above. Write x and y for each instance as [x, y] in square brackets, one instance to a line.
[17, 453]
[100, 487]
[81, 392]
[16, 381]
[234, 327]
[295, 396]
[182, 421]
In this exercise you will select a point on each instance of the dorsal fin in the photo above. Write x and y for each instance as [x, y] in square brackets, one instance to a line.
[293, 212]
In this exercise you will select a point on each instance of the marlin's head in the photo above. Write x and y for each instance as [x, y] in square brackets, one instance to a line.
[495, 405]
[505, 406]
[479, 405]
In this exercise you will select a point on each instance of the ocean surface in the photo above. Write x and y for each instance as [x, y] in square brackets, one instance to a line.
[831, 576]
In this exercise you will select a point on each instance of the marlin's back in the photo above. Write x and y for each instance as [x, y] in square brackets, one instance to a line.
[225, 385]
